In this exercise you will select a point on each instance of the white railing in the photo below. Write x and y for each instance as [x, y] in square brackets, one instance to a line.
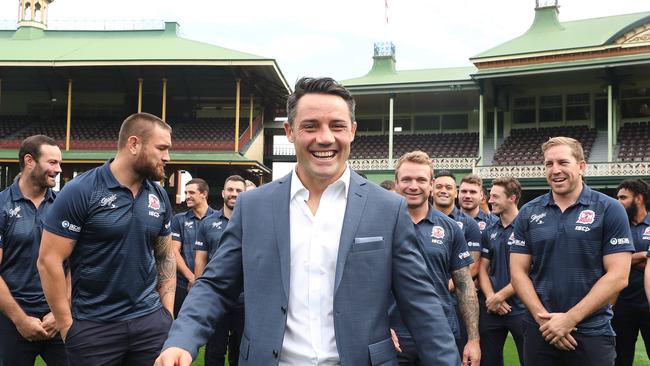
[385, 164]
[537, 171]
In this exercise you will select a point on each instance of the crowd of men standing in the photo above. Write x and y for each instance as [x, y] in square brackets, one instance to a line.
[335, 269]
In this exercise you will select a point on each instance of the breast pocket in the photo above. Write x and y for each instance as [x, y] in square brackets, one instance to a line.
[367, 244]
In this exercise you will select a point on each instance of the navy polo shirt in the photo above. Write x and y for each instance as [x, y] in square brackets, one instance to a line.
[567, 250]
[113, 267]
[445, 251]
[470, 229]
[209, 233]
[634, 293]
[484, 220]
[496, 241]
[20, 241]
[184, 229]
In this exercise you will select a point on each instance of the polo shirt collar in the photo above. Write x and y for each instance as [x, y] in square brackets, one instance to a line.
[17, 195]
[583, 199]
[190, 213]
[455, 213]
[646, 220]
[111, 181]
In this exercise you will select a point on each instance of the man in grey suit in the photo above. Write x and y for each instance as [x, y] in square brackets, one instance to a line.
[318, 253]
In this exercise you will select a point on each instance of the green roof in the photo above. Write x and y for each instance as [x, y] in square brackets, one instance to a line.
[31, 44]
[547, 33]
[383, 72]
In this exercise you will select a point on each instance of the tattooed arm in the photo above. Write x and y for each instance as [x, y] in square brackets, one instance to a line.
[166, 267]
[468, 305]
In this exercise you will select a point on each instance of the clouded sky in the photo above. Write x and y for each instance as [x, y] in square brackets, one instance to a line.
[334, 37]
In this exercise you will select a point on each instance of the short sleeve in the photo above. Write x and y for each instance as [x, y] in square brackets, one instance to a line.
[67, 214]
[617, 236]
[3, 229]
[200, 243]
[521, 244]
[177, 232]
[166, 227]
[486, 246]
[472, 236]
[460, 256]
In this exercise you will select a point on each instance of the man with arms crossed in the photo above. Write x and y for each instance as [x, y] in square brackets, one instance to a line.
[445, 250]
[229, 331]
[318, 253]
[501, 310]
[184, 229]
[570, 258]
[470, 195]
[27, 327]
[631, 311]
[113, 223]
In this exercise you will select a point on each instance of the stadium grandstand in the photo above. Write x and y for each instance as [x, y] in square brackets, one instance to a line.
[589, 79]
[77, 86]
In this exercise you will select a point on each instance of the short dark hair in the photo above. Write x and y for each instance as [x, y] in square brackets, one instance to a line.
[323, 85]
[388, 184]
[510, 185]
[235, 178]
[32, 146]
[139, 125]
[444, 173]
[201, 185]
[637, 187]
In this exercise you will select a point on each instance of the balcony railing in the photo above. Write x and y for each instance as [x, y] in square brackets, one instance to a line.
[537, 171]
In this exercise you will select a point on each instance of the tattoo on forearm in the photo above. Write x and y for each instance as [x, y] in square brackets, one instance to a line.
[165, 264]
[467, 300]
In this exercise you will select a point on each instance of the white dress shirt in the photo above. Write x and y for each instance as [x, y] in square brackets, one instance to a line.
[309, 335]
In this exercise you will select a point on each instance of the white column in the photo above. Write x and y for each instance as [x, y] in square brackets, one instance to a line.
[481, 112]
[610, 122]
[390, 131]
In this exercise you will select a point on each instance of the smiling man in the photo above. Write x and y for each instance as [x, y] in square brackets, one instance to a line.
[27, 327]
[317, 253]
[570, 258]
[113, 223]
[470, 196]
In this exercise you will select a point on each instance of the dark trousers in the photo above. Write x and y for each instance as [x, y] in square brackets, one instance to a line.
[591, 350]
[131, 342]
[227, 336]
[179, 297]
[18, 351]
[409, 354]
[628, 320]
[494, 331]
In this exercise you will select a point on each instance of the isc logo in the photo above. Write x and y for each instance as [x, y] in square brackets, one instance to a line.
[154, 214]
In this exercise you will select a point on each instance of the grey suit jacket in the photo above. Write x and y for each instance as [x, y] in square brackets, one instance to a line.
[378, 252]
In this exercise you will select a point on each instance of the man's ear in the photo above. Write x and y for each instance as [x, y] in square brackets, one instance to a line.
[132, 144]
[288, 131]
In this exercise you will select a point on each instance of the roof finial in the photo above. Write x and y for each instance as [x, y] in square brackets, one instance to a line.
[546, 4]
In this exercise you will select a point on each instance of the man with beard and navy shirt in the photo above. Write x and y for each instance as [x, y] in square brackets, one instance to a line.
[27, 327]
[184, 229]
[570, 259]
[445, 251]
[470, 195]
[444, 196]
[113, 223]
[501, 310]
[229, 332]
[631, 311]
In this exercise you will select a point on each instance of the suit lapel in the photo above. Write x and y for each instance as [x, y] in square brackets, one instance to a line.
[281, 221]
[353, 211]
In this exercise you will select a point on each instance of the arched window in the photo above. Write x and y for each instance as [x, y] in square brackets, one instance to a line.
[28, 11]
[38, 14]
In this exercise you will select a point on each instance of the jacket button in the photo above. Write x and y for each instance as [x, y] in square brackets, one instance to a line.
[284, 309]
[275, 353]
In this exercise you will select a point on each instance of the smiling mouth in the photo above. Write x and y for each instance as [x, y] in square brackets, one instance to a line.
[558, 180]
[323, 154]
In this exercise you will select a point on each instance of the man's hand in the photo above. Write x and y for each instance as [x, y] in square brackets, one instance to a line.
[472, 353]
[557, 330]
[493, 303]
[174, 356]
[49, 324]
[504, 308]
[190, 282]
[393, 336]
[31, 329]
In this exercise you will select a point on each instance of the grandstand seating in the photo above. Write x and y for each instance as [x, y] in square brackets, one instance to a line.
[634, 142]
[436, 145]
[523, 146]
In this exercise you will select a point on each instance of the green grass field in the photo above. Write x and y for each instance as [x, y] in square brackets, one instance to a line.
[510, 355]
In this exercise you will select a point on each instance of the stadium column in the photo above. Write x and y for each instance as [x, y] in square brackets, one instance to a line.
[496, 125]
[0, 95]
[140, 80]
[610, 124]
[250, 117]
[68, 116]
[237, 102]
[480, 125]
[391, 102]
[164, 100]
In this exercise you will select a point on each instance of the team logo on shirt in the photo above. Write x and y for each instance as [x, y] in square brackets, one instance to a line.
[538, 218]
[511, 239]
[154, 202]
[15, 212]
[586, 217]
[438, 232]
[493, 235]
[67, 225]
[615, 241]
[460, 224]
[646, 234]
[216, 225]
[189, 224]
[482, 225]
[108, 201]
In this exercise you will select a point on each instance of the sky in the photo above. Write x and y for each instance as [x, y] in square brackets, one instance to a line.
[334, 37]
